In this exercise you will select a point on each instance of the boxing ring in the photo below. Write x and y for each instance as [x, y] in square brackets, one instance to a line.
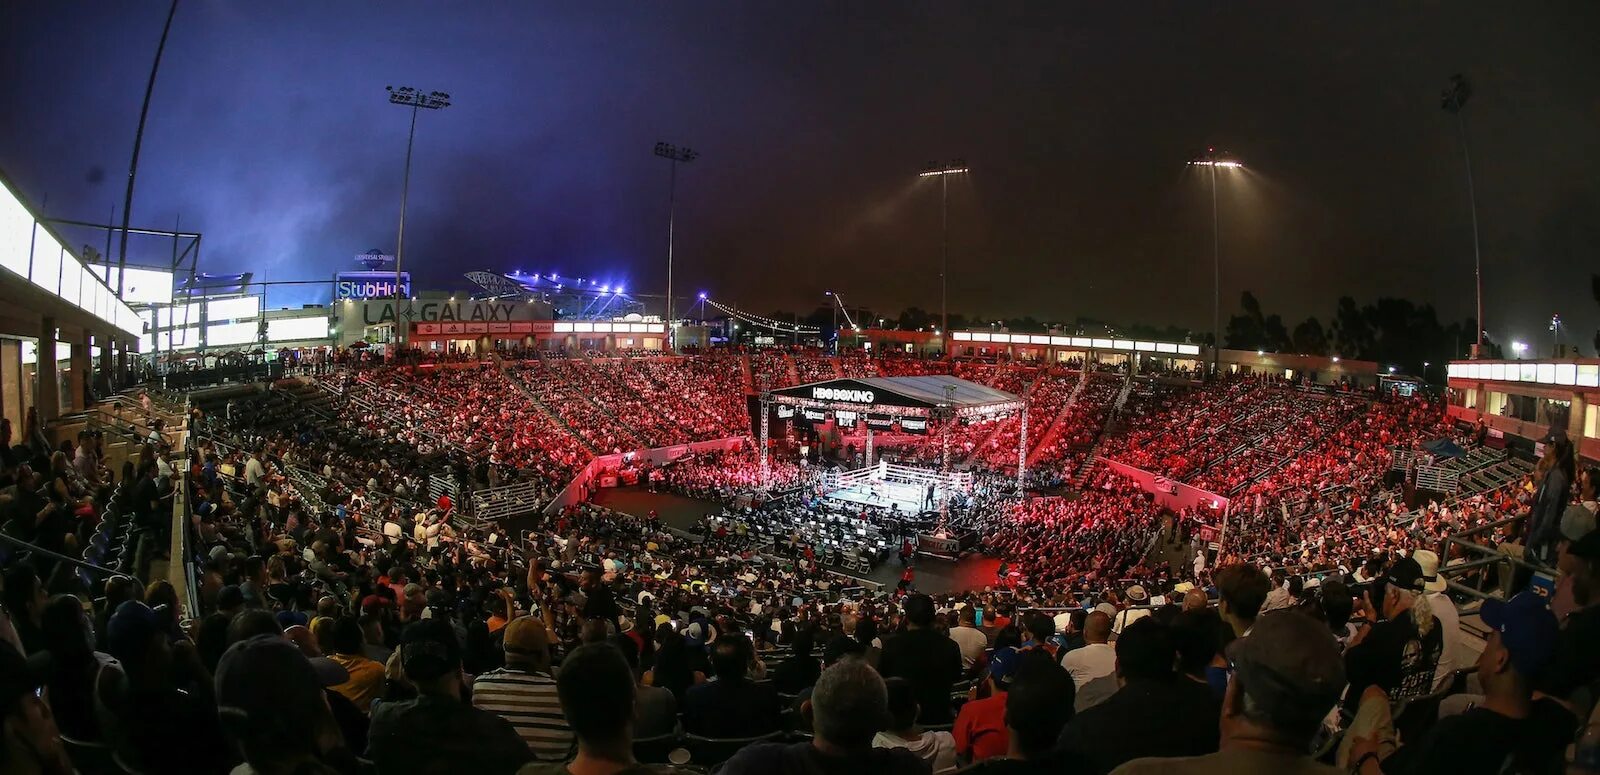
[909, 489]
[907, 405]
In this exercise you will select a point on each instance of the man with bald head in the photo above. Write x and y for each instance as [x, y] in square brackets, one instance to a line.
[1097, 658]
[1195, 600]
[846, 710]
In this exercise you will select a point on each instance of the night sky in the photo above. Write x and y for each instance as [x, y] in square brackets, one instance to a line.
[270, 132]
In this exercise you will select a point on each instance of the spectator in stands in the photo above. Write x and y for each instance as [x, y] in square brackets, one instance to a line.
[1037, 709]
[272, 707]
[1287, 675]
[1508, 731]
[847, 708]
[1198, 636]
[1398, 649]
[1097, 659]
[162, 715]
[596, 692]
[673, 669]
[1554, 475]
[1242, 589]
[1577, 656]
[937, 748]
[25, 600]
[1154, 712]
[1433, 587]
[74, 665]
[29, 740]
[1576, 522]
[366, 675]
[980, 727]
[523, 692]
[801, 669]
[971, 640]
[1071, 624]
[731, 705]
[926, 657]
[437, 732]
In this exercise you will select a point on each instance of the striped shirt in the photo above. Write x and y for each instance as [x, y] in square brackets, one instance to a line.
[529, 702]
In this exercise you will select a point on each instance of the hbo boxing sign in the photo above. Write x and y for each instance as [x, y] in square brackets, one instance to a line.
[846, 395]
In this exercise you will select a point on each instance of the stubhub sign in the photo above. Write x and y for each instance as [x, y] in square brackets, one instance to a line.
[847, 395]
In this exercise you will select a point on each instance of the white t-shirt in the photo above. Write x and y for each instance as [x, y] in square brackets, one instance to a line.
[1450, 628]
[253, 471]
[1095, 660]
[972, 642]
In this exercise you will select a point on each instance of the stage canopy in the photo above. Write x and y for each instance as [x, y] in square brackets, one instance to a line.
[919, 395]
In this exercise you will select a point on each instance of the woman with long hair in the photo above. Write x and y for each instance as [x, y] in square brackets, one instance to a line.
[672, 670]
[1553, 478]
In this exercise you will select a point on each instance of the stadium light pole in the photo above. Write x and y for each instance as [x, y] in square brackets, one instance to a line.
[417, 100]
[1453, 99]
[138, 142]
[1211, 162]
[674, 155]
[943, 173]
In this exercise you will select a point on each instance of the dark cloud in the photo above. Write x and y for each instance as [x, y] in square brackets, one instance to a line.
[270, 133]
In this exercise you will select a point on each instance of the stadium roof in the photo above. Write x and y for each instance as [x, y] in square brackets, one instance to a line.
[917, 392]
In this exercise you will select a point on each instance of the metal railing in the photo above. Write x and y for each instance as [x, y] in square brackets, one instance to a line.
[1486, 557]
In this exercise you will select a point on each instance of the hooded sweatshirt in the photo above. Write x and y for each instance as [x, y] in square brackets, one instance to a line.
[938, 749]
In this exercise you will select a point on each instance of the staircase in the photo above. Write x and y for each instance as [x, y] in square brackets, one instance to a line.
[1113, 424]
[521, 385]
[1051, 431]
[791, 369]
[749, 378]
[560, 373]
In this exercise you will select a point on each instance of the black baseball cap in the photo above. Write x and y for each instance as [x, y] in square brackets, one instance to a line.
[1587, 547]
[266, 675]
[1293, 657]
[428, 649]
[1405, 574]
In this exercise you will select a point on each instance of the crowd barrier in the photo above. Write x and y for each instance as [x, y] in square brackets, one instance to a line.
[1172, 494]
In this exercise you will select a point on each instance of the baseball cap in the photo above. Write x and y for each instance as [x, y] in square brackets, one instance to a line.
[1587, 547]
[1576, 522]
[526, 635]
[131, 627]
[1406, 574]
[1003, 665]
[263, 677]
[429, 649]
[1527, 630]
[1290, 657]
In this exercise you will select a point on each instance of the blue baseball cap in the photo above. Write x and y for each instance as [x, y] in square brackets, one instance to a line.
[1527, 629]
[1003, 665]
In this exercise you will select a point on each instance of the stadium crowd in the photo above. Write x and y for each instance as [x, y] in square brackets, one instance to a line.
[349, 621]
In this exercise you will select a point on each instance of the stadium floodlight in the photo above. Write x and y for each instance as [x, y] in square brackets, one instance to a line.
[1212, 162]
[1519, 348]
[674, 154]
[417, 100]
[943, 172]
